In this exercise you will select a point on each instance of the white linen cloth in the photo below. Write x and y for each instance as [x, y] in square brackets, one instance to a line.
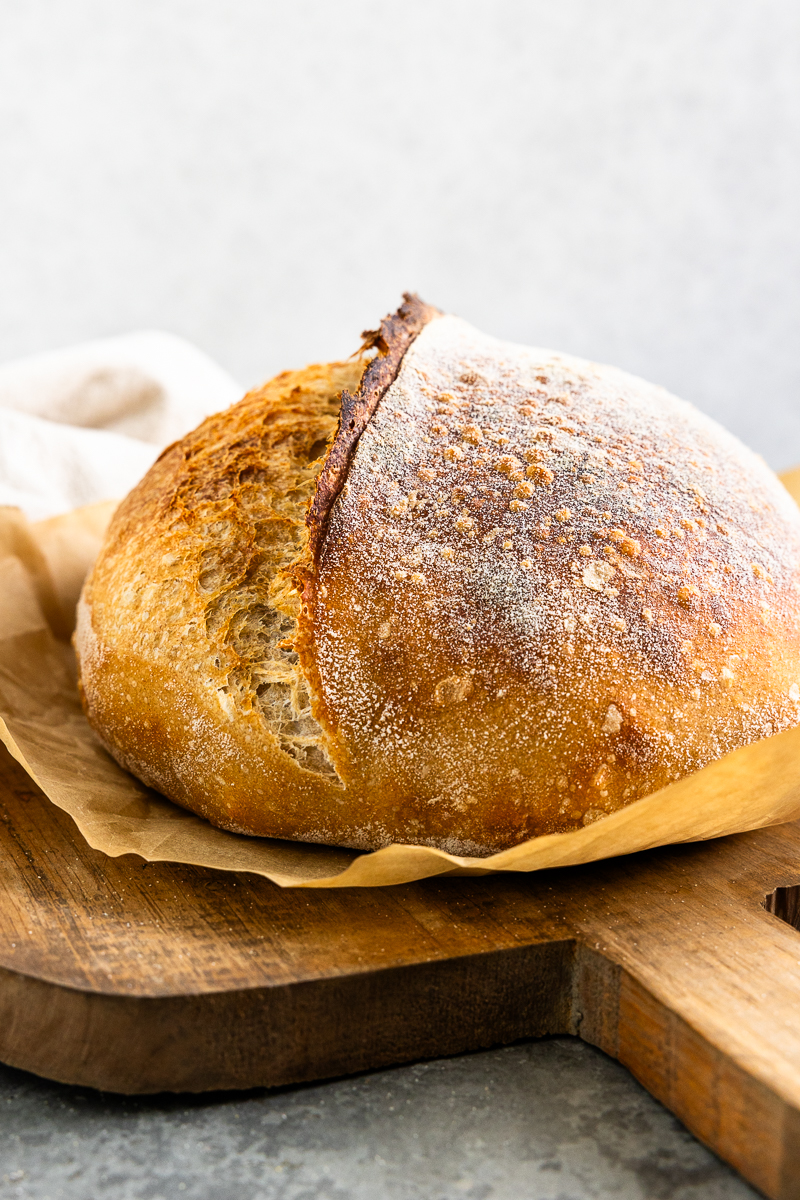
[84, 424]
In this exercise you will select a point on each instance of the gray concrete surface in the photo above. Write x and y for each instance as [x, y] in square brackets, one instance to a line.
[550, 1120]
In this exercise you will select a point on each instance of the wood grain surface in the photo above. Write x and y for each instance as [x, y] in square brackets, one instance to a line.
[135, 977]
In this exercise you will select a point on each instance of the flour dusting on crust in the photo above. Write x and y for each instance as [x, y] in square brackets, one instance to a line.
[570, 589]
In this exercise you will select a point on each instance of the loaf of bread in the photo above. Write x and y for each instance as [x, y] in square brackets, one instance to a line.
[453, 592]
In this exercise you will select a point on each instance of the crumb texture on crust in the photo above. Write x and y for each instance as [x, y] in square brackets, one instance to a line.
[546, 589]
[191, 596]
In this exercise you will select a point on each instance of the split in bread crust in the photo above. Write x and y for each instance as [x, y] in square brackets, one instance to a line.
[492, 592]
[356, 409]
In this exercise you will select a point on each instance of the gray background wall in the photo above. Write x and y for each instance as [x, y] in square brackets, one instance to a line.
[618, 179]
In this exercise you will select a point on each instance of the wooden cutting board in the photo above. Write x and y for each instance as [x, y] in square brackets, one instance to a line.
[135, 977]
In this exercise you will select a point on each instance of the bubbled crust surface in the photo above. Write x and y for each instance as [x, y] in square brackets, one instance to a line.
[546, 589]
[185, 627]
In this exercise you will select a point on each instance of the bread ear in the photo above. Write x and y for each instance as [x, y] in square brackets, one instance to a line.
[391, 341]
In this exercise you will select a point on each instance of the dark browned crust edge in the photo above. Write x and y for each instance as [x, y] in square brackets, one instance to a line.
[396, 333]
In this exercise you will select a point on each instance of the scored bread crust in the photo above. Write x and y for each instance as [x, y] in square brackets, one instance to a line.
[516, 592]
[185, 624]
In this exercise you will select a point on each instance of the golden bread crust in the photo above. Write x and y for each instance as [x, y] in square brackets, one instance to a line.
[530, 591]
[186, 623]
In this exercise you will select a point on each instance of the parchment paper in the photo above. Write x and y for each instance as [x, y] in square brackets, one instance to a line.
[42, 567]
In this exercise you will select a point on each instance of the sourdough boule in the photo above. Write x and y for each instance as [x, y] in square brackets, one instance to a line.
[453, 592]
